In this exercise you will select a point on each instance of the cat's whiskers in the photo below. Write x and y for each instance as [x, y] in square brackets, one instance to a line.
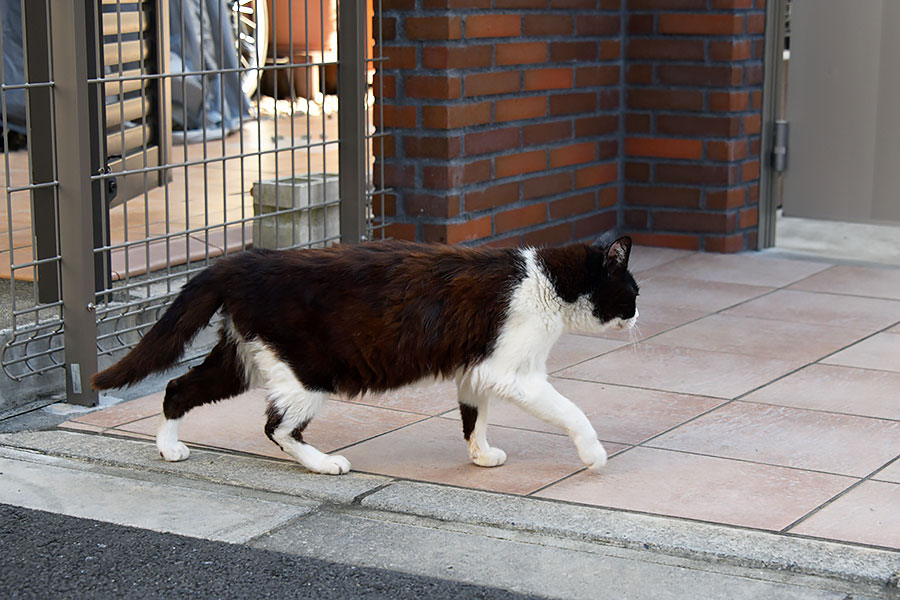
[634, 332]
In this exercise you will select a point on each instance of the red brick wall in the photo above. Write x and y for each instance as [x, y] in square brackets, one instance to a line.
[693, 96]
[505, 119]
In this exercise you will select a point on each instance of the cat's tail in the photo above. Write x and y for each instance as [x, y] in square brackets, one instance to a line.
[164, 344]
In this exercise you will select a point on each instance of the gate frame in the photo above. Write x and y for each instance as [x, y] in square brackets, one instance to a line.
[772, 110]
[72, 115]
[352, 120]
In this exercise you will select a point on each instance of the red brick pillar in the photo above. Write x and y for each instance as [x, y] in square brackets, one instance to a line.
[693, 96]
[503, 119]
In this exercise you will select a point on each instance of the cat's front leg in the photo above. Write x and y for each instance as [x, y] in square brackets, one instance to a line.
[473, 407]
[537, 396]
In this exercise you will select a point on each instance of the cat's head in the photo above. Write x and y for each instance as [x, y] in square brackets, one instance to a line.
[614, 292]
[593, 283]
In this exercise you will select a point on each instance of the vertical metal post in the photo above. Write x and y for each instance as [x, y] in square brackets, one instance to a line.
[351, 119]
[163, 90]
[99, 204]
[69, 31]
[35, 24]
[772, 110]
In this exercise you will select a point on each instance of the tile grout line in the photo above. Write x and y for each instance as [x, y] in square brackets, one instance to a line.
[827, 412]
[638, 387]
[384, 433]
[754, 462]
[814, 362]
[123, 423]
[576, 472]
[840, 495]
[281, 526]
[402, 410]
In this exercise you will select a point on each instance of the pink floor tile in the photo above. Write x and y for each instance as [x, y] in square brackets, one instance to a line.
[704, 296]
[434, 450]
[125, 412]
[653, 319]
[573, 349]
[855, 281]
[237, 424]
[760, 337]
[890, 473]
[684, 370]
[741, 268]
[423, 398]
[76, 426]
[865, 314]
[881, 351]
[789, 437]
[647, 257]
[866, 515]
[836, 389]
[619, 414]
[702, 487]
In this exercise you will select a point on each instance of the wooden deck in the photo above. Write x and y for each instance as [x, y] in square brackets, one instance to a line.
[204, 203]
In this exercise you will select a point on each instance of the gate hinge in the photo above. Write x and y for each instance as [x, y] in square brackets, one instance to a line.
[780, 147]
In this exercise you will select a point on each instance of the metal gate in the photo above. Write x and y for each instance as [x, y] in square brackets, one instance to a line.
[158, 135]
[843, 89]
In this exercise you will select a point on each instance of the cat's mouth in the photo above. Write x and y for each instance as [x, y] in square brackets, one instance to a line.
[627, 323]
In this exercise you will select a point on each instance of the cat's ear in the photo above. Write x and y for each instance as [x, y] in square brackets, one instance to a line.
[617, 254]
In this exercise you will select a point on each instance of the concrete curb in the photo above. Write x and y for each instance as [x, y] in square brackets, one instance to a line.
[744, 548]
[666, 535]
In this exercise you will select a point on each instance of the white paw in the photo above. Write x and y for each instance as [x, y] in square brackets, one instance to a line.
[332, 465]
[174, 452]
[493, 457]
[594, 457]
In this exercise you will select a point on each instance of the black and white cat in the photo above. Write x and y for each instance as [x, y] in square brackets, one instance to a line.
[306, 324]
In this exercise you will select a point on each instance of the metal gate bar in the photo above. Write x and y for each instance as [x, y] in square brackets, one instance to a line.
[73, 136]
[351, 119]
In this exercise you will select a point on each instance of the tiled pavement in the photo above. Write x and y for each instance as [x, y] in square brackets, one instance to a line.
[760, 392]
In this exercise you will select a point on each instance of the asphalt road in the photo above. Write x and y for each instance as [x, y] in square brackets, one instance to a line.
[46, 555]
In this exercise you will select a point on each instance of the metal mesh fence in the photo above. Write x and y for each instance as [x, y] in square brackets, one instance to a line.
[211, 126]
[30, 233]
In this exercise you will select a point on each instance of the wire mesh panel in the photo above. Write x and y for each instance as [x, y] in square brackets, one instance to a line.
[214, 127]
[30, 304]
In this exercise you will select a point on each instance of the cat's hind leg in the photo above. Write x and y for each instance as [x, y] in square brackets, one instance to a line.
[291, 407]
[288, 416]
[220, 376]
[473, 407]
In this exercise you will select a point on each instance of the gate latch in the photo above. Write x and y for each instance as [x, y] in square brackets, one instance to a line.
[780, 147]
[112, 186]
